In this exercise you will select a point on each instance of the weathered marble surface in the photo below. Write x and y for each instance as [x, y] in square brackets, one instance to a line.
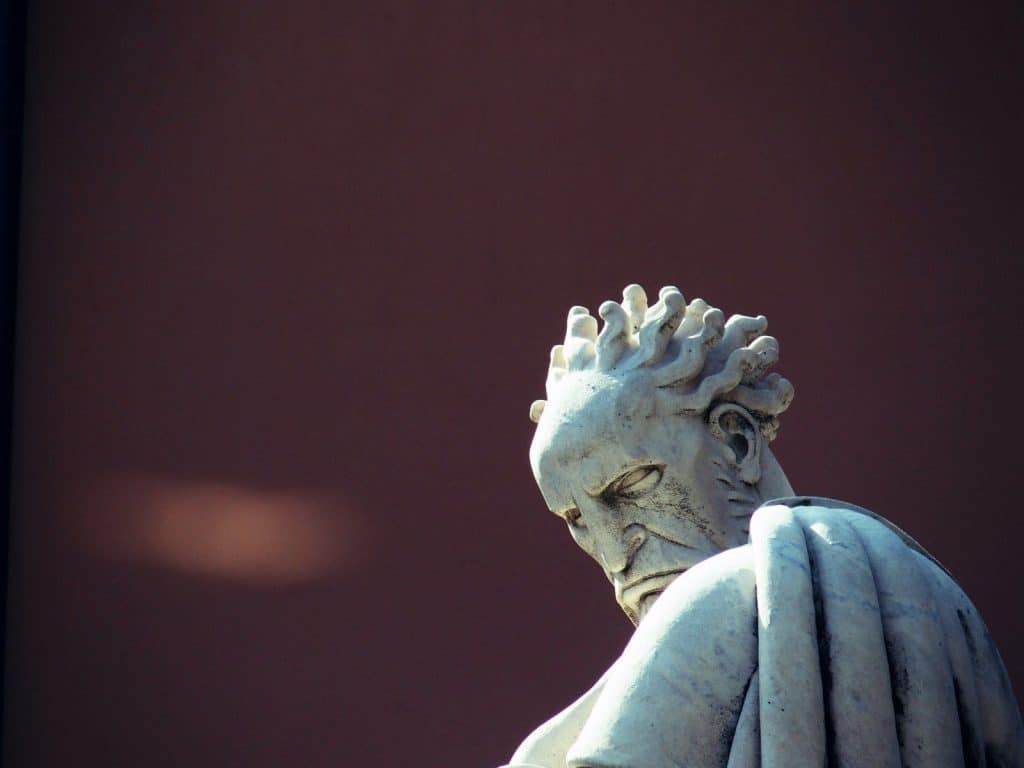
[772, 630]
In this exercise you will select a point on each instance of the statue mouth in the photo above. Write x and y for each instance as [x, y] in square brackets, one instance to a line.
[640, 595]
[647, 601]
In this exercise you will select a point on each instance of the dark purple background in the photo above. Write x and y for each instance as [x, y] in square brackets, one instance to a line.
[292, 274]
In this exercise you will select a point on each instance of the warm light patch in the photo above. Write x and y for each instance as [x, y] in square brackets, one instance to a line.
[223, 530]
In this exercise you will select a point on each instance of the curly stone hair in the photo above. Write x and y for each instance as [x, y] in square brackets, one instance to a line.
[695, 357]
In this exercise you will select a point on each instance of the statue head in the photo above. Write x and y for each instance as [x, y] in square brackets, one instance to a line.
[652, 444]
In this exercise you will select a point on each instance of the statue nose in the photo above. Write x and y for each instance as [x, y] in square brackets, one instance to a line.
[618, 557]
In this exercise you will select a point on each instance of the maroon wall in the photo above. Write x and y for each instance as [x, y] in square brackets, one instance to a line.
[290, 277]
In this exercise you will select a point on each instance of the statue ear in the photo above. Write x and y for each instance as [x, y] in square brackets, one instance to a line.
[734, 426]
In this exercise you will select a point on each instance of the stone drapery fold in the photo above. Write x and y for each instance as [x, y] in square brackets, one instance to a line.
[832, 639]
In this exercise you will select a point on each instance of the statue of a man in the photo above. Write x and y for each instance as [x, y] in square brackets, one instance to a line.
[772, 630]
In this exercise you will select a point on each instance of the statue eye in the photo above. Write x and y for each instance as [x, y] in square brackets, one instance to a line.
[637, 482]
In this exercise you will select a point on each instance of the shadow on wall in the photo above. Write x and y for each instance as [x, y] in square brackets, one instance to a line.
[219, 530]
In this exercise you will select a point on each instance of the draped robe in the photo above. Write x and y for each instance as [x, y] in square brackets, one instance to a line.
[831, 639]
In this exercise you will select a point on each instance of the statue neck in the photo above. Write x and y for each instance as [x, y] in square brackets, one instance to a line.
[773, 483]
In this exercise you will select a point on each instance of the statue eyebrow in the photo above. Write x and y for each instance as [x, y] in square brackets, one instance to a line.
[564, 510]
[600, 485]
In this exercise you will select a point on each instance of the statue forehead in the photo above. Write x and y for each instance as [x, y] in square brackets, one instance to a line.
[595, 423]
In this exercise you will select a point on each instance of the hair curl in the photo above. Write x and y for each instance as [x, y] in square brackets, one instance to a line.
[694, 356]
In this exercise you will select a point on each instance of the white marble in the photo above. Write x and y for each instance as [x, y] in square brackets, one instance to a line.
[772, 630]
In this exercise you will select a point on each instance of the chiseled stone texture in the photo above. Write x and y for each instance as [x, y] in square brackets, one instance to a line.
[772, 630]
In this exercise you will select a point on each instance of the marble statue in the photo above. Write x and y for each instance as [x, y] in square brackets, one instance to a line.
[772, 629]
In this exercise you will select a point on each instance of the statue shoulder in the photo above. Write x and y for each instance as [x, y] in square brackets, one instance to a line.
[683, 675]
[797, 503]
[691, 660]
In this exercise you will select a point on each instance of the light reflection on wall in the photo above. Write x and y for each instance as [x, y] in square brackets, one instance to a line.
[223, 530]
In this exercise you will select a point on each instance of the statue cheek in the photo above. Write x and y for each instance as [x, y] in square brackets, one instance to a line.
[641, 510]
